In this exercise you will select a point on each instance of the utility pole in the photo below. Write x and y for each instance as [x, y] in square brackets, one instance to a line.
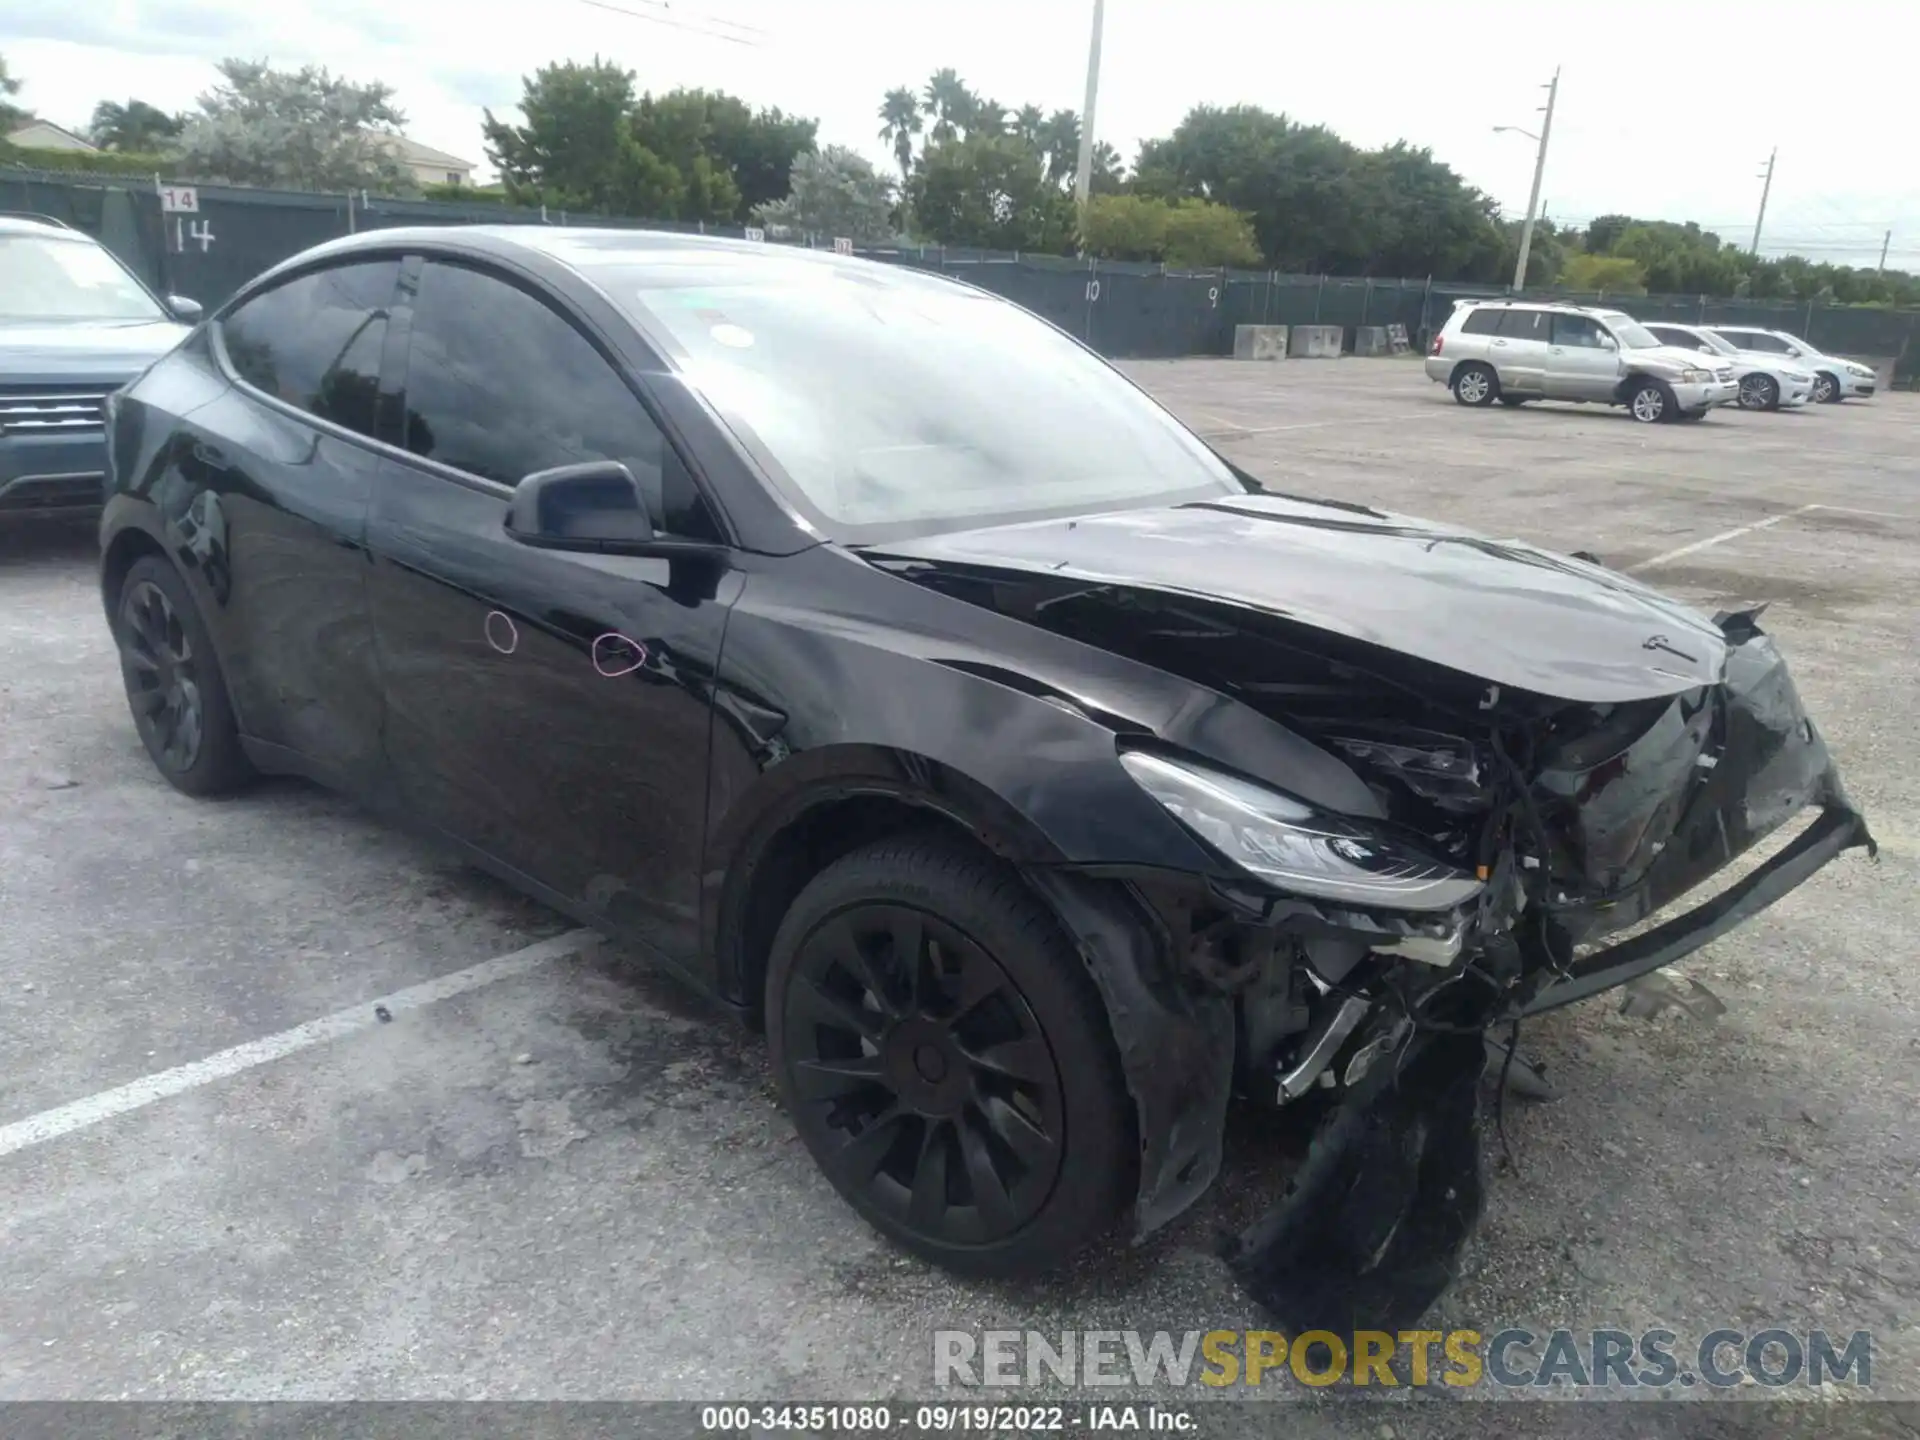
[1083, 176]
[1765, 190]
[1533, 197]
[1885, 241]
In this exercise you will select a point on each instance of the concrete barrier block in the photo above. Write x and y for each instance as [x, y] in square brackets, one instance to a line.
[1259, 342]
[1314, 342]
[1371, 340]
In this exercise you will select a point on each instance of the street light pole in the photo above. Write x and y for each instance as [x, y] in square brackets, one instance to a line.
[1083, 175]
[1533, 198]
[1765, 190]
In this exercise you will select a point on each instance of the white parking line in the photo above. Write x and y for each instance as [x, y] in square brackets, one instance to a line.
[1723, 536]
[65, 1119]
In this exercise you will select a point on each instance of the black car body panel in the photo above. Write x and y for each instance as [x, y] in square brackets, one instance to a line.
[1500, 611]
[667, 741]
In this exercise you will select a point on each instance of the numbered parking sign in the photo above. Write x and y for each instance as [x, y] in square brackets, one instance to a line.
[842, 245]
[755, 234]
[179, 200]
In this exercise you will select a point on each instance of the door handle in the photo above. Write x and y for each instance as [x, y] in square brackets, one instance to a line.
[1499, 344]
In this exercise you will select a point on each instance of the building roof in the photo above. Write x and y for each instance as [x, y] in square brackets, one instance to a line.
[414, 153]
[78, 142]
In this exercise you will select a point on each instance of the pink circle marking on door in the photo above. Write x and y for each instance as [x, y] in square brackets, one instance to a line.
[615, 655]
[502, 634]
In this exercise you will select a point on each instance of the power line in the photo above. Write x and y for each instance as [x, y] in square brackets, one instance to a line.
[682, 13]
[673, 24]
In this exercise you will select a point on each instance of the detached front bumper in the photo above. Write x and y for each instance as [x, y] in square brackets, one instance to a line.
[1839, 828]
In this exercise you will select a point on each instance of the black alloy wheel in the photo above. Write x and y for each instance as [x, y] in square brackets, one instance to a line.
[174, 686]
[163, 677]
[926, 1069]
[945, 1059]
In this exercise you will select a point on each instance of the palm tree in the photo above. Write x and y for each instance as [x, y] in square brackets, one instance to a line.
[1060, 138]
[950, 103]
[900, 114]
[989, 118]
[1029, 123]
[134, 126]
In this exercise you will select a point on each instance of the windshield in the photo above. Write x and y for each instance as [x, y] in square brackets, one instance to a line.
[1712, 341]
[44, 277]
[1631, 333]
[891, 404]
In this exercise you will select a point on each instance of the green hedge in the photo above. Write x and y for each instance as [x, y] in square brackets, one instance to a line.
[85, 162]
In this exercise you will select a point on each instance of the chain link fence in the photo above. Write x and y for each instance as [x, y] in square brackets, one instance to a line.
[1121, 309]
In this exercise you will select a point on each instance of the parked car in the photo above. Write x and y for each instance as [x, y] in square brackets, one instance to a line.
[1766, 381]
[1834, 377]
[74, 324]
[874, 654]
[1514, 352]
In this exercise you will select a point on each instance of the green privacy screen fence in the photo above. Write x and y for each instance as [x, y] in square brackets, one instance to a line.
[1121, 309]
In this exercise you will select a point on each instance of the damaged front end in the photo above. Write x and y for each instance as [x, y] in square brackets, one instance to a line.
[1364, 971]
[1542, 754]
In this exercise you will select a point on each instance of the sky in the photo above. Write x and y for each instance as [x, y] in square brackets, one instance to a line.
[1671, 119]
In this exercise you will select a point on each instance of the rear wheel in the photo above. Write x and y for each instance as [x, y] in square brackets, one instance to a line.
[1826, 388]
[1475, 384]
[946, 1059]
[1759, 392]
[1650, 401]
[174, 685]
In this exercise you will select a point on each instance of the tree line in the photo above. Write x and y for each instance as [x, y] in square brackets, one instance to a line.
[1233, 185]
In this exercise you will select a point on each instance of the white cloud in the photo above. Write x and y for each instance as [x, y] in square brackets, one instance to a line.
[1669, 120]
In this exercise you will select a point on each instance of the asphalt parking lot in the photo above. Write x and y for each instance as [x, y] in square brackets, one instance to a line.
[563, 1177]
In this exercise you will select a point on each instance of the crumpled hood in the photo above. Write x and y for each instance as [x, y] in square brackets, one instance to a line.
[47, 350]
[1501, 610]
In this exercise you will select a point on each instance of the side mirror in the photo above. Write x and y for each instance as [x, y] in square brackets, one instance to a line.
[1607, 342]
[1704, 349]
[596, 506]
[184, 309]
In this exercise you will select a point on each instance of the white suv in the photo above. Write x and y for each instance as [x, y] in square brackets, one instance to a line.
[1514, 351]
[1834, 378]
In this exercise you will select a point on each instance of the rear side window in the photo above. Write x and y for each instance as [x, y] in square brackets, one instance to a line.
[1523, 325]
[499, 385]
[1481, 321]
[1667, 335]
[315, 341]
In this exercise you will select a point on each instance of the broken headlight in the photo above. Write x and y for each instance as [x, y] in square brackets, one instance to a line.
[1294, 847]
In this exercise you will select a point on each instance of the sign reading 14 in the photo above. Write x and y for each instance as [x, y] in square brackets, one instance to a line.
[180, 201]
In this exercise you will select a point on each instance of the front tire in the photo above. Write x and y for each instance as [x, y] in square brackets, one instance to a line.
[1759, 392]
[1475, 385]
[174, 684]
[1650, 402]
[1826, 387]
[946, 1059]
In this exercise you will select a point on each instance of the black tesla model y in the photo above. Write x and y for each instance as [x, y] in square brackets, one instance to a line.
[874, 654]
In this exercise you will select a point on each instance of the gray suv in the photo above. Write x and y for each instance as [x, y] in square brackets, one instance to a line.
[75, 325]
[1514, 352]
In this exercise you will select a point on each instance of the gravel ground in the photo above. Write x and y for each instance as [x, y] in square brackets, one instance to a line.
[574, 1182]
